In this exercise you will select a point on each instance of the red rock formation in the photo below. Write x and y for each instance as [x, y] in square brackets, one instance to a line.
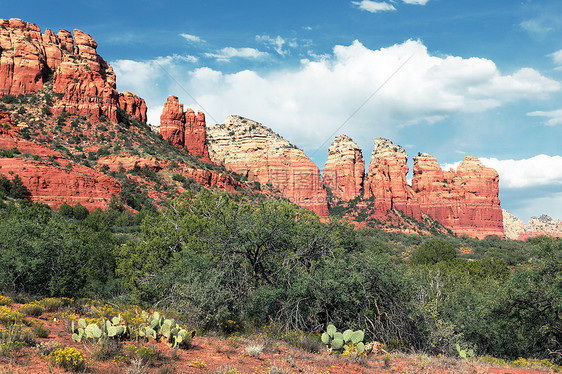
[172, 122]
[6, 124]
[386, 181]
[54, 185]
[184, 129]
[133, 105]
[210, 179]
[466, 201]
[345, 169]
[128, 162]
[260, 155]
[28, 58]
[195, 139]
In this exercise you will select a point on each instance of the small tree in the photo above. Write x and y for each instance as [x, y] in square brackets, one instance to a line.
[66, 210]
[18, 189]
[433, 251]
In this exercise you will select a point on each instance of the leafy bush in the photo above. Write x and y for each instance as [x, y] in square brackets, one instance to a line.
[433, 251]
[33, 309]
[69, 358]
[5, 300]
[7, 316]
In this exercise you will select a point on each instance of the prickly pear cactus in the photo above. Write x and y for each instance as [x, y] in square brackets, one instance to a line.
[341, 342]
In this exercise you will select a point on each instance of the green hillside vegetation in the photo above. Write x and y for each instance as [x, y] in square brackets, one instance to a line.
[211, 258]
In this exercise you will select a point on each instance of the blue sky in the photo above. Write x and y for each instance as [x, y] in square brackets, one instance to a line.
[484, 78]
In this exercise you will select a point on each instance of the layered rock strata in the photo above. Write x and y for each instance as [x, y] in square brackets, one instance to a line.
[344, 170]
[29, 59]
[260, 155]
[386, 181]
[465, 200]
[184, 129]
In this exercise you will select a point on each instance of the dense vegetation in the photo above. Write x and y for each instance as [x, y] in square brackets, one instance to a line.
[214, 257]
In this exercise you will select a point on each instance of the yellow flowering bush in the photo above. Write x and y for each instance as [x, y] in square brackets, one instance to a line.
[5, 300]
[68, 358]
[7, 316]
[32, 309]
[52, 304]
[145, 354]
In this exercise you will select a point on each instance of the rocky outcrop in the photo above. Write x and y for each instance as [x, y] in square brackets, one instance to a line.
[184, 129]
[133, 105]
[543, 225]
[260, 155]
[29, 59]
[386, 181]
[512, 226]
[465, 200]
[54, 185]
[516, 229]
[345, 169]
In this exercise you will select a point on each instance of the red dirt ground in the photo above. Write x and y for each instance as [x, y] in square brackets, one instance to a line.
[219, 355]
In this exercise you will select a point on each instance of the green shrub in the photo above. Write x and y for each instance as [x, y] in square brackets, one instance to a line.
[41, 332]
[7, 316]
[69, 358]
[433, 251]
[5, 300]
[33, 309]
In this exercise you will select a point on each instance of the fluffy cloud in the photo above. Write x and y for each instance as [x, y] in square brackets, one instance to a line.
[540, 170]
[373, 6]
[227, 53]
[554, 117]
[308, 102]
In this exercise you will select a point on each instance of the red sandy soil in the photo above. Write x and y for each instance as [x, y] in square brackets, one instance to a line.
[212, 354]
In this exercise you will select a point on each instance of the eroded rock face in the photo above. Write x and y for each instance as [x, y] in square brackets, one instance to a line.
[133, 105]
[512, 226]
[184, 129]
[256, 152]
[386, 181]
[28, 60]
[465, 200]
[344, 170]
[53, 185]
[544, 225]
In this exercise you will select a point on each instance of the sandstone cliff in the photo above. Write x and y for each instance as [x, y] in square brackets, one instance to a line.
[184, 129]
[260, 155]
[29, 59]
[386, 181]
[466, 200]
[345, 169]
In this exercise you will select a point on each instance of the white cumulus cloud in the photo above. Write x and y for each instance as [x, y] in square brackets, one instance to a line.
[227, 53]
[373, 6]
[540, 170]
[308, 102]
